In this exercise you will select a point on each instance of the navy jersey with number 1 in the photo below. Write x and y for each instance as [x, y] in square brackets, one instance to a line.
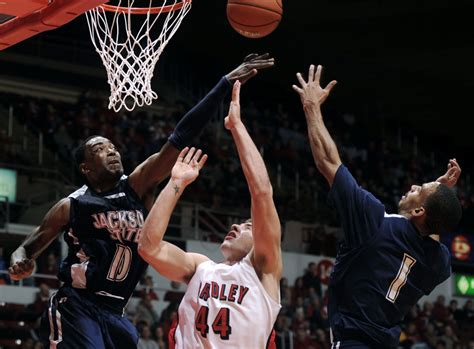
[383, 267]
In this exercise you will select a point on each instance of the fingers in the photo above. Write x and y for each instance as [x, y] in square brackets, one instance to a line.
[330, 86]
[250, 56]
[21, 269]
[261, 64]
[236, 92]
[301, 80]
[317, 76]
[297, 89]
[202, 161]
[189, 155]
[311, 73]
[264, 56]
[454, 163]
[197, 159]
[182, 154]
[243, 78]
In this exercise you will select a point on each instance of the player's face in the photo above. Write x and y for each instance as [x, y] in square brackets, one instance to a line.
[102, 161]
[238, 242]
[416, 197]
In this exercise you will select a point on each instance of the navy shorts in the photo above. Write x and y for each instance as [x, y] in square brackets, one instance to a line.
[73, 322]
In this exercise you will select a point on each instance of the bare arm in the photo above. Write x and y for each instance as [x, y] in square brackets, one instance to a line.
[22, 259]
[266, 229]
[325, 153]
[169, 260]
[153, 170]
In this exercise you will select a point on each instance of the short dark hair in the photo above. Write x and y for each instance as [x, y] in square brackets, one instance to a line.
[80, 151]
[443, 210]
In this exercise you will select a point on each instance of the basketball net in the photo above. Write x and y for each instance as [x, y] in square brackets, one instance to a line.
[122, 37]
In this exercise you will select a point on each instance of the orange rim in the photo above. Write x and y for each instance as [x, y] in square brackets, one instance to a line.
[145, 10]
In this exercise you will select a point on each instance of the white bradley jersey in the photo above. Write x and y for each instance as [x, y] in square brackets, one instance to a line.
[225, 306]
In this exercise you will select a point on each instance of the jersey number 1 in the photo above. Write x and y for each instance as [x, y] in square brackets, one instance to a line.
[400, 280]
[220, 326]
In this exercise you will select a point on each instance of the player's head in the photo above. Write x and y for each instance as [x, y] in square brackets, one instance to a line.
[432, 206]
[98, 160]
[238, 242]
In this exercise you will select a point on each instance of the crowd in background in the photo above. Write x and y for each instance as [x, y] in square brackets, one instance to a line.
[302, 323]
[382, 158]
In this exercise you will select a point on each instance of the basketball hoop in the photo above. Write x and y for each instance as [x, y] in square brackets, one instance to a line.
[126, 47]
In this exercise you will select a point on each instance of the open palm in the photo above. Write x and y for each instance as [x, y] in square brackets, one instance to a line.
[187, 167]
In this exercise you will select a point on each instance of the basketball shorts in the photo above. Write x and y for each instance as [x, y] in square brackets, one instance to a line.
[72, 322]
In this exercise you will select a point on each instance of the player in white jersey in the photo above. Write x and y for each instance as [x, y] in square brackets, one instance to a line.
[232, 304]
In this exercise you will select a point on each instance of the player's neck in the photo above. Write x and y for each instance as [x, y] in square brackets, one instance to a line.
[104, 186]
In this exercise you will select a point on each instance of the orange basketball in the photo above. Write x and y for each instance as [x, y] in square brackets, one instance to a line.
[254, 18]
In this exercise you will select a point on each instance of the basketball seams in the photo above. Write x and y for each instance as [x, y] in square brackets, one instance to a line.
[252, 26]
[256, 6]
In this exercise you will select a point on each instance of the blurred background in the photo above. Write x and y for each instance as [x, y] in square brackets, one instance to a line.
[400, 111]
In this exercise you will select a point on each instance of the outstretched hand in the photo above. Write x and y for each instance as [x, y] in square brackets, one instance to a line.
[250, 67]
[187, 167]
[233, 118]
[450, 178]
[311, 92]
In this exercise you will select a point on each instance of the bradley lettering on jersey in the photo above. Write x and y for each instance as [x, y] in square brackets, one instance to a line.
[234, 293]
[122, 225]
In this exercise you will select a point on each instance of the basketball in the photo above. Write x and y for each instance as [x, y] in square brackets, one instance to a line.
[254, 18]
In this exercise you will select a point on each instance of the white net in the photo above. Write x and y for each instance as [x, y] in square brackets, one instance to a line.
[128, 51]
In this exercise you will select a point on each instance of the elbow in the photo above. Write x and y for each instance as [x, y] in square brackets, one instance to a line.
[262, 190]
[146, 249]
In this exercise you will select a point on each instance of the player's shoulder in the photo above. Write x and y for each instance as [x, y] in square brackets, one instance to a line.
[79, 192]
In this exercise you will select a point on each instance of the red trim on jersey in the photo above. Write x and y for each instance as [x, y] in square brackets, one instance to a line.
[271, 344]
[171, 335]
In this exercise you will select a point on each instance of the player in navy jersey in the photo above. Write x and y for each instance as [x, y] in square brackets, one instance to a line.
[102, 222]
[386, 262]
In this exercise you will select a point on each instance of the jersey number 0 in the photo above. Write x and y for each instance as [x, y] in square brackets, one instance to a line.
[121, 263]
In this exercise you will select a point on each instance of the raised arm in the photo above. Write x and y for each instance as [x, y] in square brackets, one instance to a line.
[158, 166]
[324, 149]
[450, 178]
[169, 260]
[22, 259]
[266, 230]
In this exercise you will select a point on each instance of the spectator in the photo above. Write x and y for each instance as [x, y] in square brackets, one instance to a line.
[161, 338]
[311, 278]
[468, 311]
[299, 290]
[51, 268]
[145, 312]
[3, 267]
[303, 340]
[41, 300]
[175, 295]
[147, 289]
[145, 341]
[440, 312]
[449, 338]
[455, 312]
[429, 335]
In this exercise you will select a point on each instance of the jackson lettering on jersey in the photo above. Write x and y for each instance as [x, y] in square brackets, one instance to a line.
[122, 225]
[102, 236]
[225, 307]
